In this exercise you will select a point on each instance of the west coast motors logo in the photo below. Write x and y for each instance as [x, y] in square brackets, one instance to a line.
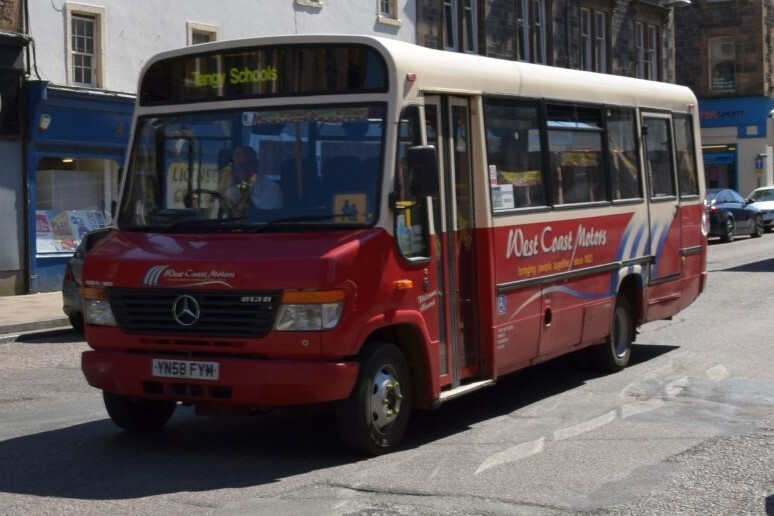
[163, 275]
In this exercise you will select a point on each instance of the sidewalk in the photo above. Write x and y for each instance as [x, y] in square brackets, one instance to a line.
[30, 312]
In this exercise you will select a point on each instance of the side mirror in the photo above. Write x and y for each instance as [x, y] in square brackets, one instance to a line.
[422, 162]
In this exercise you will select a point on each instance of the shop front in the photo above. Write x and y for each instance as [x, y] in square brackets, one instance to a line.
[737, 139]
[75, 151]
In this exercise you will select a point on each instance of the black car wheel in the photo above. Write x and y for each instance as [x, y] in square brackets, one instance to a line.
[76, 321]
[728, 231]
[757, 231]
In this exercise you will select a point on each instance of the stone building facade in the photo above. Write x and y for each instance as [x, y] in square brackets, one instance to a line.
[725, 52]
[624, 37]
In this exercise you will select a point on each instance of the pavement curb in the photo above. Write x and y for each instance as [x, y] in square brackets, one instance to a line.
[10, 332]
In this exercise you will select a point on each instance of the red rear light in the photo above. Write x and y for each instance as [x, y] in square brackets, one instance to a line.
[68, 275]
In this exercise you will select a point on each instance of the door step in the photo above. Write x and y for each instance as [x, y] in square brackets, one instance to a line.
[464, 389]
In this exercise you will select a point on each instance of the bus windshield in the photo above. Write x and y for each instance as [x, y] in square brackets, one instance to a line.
[296, 167]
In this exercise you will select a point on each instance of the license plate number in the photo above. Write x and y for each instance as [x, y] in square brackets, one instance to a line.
[185, 369]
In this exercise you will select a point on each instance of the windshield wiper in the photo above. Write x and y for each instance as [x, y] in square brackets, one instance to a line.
[189, 224]
[299, 219]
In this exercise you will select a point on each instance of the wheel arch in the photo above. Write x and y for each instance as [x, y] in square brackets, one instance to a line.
[633, 288]
[411, 341]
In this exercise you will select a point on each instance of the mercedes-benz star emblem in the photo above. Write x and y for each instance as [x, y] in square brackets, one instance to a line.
[186, 310]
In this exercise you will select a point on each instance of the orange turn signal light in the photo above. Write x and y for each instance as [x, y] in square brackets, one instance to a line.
[307, 297]
[99, 294]
[404, 284]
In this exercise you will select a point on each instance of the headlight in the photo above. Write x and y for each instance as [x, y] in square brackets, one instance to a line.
[310, 310]
[96, 307]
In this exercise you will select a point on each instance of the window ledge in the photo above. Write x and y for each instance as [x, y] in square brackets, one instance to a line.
[386, 20]
[317, 4]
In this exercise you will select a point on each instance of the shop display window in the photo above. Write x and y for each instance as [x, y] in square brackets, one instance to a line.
[73, 197]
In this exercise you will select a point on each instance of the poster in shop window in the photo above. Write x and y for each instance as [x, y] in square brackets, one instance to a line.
[60, 231]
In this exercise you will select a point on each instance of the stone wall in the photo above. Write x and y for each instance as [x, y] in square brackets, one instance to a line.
[11, 16]
[749, 24]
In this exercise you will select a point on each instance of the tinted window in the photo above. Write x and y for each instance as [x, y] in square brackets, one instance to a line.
[514, 155]
[577, 165]
[622, 147]
[657, 147]
[687, 174]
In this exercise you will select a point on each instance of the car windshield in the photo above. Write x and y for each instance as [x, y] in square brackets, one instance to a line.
[710, 196]
[762, 195]
[251, 170]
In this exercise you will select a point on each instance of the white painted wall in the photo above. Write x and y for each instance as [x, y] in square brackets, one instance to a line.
[134, 30]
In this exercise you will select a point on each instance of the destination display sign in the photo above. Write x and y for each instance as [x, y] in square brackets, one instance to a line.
[264, 72]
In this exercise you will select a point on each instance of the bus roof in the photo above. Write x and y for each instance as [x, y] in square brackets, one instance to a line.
[439, 71]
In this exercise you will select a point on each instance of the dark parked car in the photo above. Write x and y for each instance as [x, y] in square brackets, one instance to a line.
[72, 303]
[730, 215]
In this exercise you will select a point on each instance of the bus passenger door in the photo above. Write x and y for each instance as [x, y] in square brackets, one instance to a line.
[664, 217]
[447, 121]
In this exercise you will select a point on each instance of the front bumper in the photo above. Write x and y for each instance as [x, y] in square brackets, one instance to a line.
[242, 381]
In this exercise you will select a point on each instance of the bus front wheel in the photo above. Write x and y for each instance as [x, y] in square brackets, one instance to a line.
[374, 417]
[137, 415]
[614, 354]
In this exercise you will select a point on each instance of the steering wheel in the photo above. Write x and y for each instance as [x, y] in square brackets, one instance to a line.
[224, 206]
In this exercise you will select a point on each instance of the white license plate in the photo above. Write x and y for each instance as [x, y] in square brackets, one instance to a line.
[185, 369]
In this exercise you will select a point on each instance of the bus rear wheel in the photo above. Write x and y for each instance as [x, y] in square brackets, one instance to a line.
[375, 416]
[135, 415]
[614, 354]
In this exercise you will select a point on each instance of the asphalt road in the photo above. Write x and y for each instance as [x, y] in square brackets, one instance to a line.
[687, 429]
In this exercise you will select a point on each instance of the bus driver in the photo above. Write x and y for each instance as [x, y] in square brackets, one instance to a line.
[242, 183]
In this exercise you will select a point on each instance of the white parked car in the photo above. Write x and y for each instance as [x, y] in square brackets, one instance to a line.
[763, 199]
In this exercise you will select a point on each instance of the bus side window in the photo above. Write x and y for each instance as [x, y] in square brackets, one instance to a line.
[622, 146]
[657, 145]
[514, 154]
[575, 145]
[687, 175]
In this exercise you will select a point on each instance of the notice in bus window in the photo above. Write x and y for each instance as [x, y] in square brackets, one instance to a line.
[205, 177]
[350, 208]
[502, 197]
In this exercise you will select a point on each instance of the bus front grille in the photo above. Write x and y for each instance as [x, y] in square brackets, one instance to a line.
[195, 313]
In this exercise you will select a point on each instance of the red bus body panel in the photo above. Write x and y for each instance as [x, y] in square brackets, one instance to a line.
[279, 368]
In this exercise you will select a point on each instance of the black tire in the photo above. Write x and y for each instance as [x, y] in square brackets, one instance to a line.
[728, 231]
[757, 227]
[135, 415]
[375, 416]
[614, 354]
[76, 321]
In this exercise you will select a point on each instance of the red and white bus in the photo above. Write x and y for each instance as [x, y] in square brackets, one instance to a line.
[445, 219]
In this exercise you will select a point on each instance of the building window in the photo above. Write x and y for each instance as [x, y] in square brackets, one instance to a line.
[199, 33]
[647, 50]
[722, 58]
[84, 45]
[531, 27]
[600, 42]
[387, 12]
[83, 50]
[460, 25]
[594, 42]
[586, 46]
[653, 51]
